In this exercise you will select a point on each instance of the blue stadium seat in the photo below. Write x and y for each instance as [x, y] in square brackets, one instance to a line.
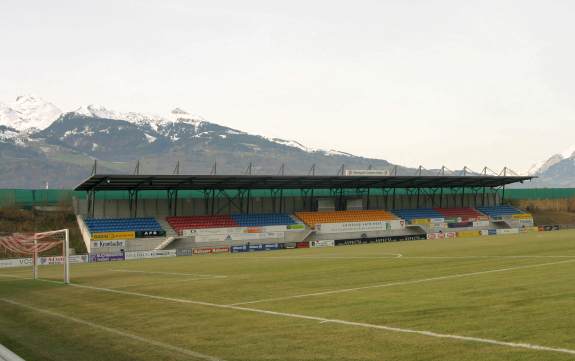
[417, 213]
[97, 225]
[263, 219]
[499, 211]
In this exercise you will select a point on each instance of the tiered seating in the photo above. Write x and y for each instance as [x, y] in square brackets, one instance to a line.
[225, 221]
[262, 220]
[313, 218]
[196, 222]
[418, 213]
[500, 211]
[466, 214]
[122, 225]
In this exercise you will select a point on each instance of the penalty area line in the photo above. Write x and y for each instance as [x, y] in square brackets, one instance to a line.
[113, 331]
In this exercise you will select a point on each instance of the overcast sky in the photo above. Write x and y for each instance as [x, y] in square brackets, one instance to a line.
[414, 82]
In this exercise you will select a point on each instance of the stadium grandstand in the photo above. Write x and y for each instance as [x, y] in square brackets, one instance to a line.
[205, 212]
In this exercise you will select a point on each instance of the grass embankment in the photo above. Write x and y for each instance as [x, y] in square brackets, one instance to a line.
[549, 211]
[17, 220]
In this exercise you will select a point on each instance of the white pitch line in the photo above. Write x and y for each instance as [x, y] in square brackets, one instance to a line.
[114, 331]
[170, 273]
[516, 345]
[17, 277]
[399, 283]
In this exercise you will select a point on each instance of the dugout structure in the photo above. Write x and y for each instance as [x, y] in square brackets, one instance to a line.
[224, 194]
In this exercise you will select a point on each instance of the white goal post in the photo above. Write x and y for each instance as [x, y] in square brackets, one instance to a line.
[33, 244]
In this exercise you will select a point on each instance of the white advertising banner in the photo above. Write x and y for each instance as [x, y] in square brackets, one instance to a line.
[322, 243]
[233, 230]
[238, 237]
[508, 231]
[360, 226]
[15, 262]
[78, 258]
[477, 224]
[366, 172]
[21, 262]
[441, 235]
[112, 244]
[149, 254]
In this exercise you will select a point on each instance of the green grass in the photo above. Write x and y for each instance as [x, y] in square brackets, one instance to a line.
[525, 303]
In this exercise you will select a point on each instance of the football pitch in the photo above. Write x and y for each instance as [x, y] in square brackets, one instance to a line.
[489, 298]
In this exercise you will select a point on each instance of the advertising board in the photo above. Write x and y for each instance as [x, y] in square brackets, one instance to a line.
[508, 231]
[360, 226]
[242, 230]
[210, 250]
[107, 257]
[107, 236]
[77, 258]
[237, 237]
[348, 242]
[420, 221]
[549, 228]
[149, 234]
[460, 225]
[441, 235]
[21, 262]
[15, 262]
[366, 172]
[110, 244]
[468, 233]
[526, 216]
[149, 254]
[322, 243]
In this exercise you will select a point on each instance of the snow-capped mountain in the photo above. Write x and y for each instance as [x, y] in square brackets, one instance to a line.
[542, 166]
[35, 149]
[556, 171]
[28, 113]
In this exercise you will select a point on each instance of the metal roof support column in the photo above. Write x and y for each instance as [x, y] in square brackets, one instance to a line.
[206, 201]
[462, 197]
[368, 197]
[394, 197]
[213, 202]
[176, 201]
[136, 204]
[441, 198]
[249, 201]
[483, 199]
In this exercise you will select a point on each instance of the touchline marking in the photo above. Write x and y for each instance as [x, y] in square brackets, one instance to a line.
[17, 277]
[395, 256]
[526, 346]
[114, 331]
[170, 273]
[400, 283]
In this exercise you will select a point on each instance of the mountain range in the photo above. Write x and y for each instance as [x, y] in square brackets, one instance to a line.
[556, 171]
[40, 145]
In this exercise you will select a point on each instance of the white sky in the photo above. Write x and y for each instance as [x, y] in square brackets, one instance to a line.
[414, 82]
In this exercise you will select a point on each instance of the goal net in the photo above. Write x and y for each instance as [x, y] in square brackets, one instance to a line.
[19, 251]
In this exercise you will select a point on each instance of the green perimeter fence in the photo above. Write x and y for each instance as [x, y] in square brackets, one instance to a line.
[44, 197]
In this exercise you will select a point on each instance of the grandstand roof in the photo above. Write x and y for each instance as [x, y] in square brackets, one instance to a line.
[110, 182]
